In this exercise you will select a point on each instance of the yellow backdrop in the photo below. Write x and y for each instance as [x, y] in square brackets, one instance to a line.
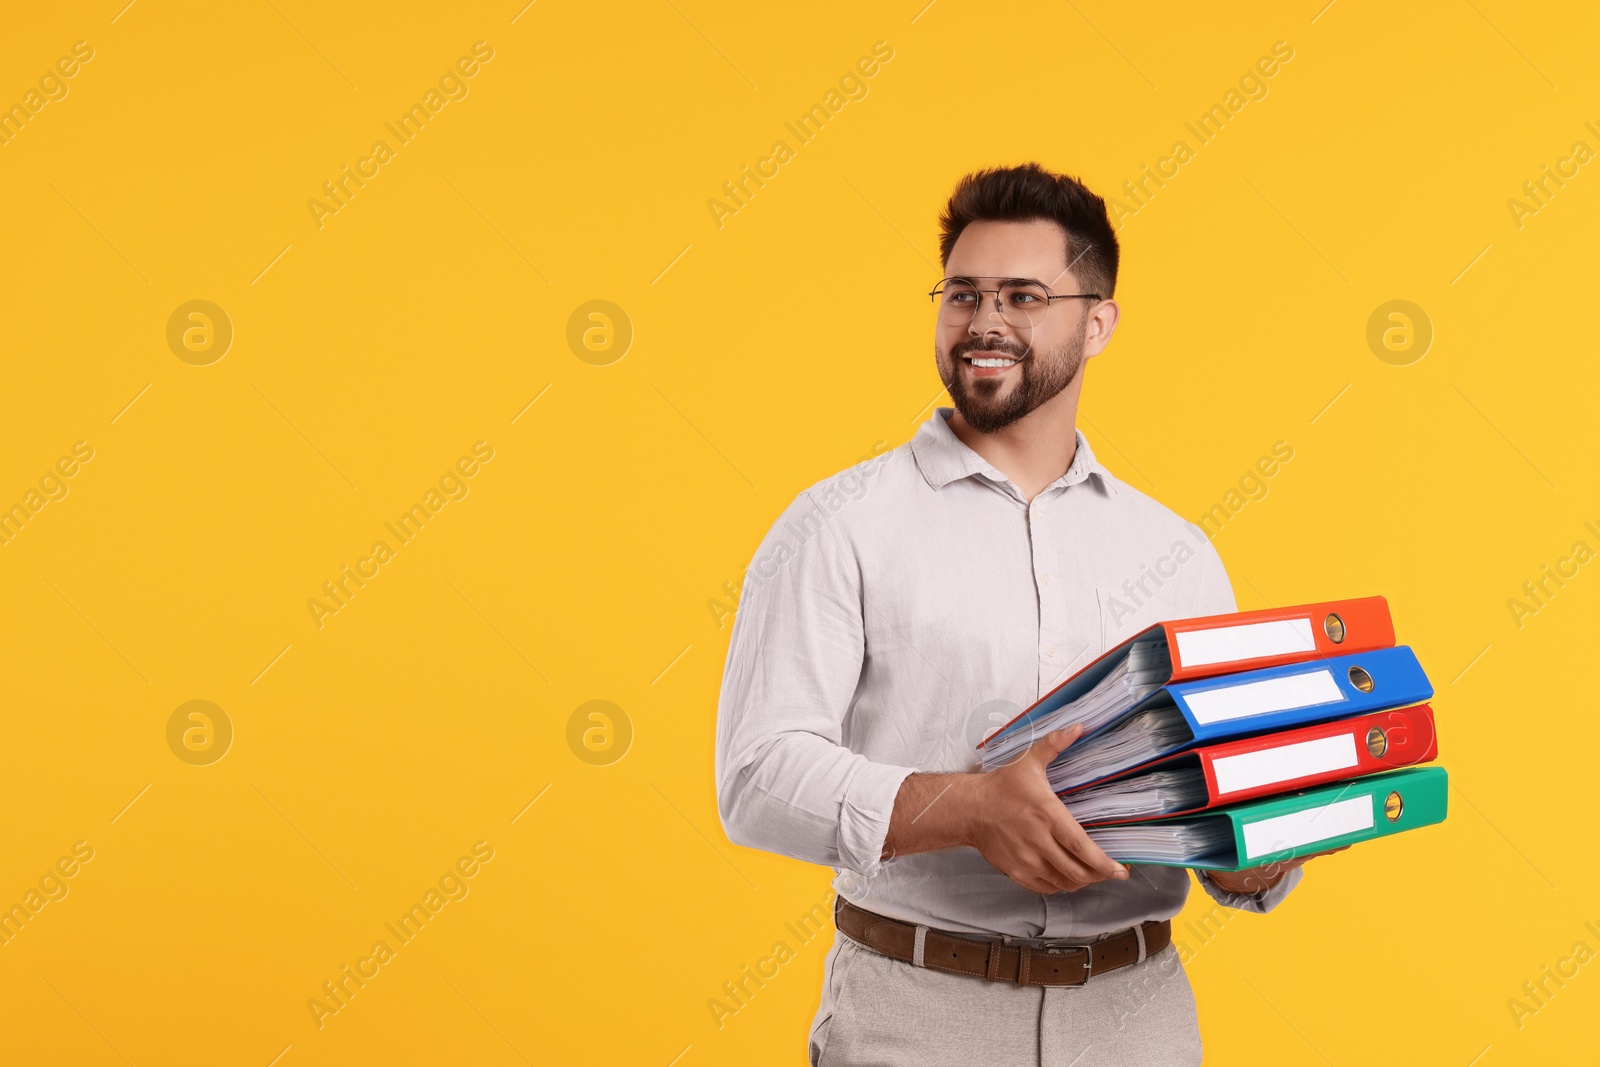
[381, 389]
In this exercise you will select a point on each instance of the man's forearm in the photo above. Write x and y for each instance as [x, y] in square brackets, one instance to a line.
[1256, 880]
[931, 811]
[1250, 881]
[1010, 815]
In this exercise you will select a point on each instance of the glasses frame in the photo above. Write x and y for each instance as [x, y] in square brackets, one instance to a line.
[1049, 296]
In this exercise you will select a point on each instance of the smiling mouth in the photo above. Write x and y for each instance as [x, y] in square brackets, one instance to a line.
[990, 359]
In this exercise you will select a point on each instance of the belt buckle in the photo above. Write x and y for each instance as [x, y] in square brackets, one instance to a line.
[1057, 947]
[1088, 958]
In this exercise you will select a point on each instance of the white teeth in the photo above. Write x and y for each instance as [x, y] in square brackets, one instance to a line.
[996, 362]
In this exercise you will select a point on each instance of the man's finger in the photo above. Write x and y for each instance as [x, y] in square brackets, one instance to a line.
[1064, 869]
[1054, 743]
[1324, 852]
[1082, 847]
[1034, 885]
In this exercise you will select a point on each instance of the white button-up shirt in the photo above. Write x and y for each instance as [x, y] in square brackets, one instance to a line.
[900, 611]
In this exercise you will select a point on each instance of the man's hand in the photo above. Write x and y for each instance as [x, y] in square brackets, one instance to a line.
[1011, 816]
[1254, 880]
[1024, 830]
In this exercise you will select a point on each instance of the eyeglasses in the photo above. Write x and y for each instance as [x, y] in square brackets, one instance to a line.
[1022, 302]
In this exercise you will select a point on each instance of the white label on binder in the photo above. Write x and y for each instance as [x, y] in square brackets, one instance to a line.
[1284, 763]
[1304, 827]
[1261, 698]
[1222, 644]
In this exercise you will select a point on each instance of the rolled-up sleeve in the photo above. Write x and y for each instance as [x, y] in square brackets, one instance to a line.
[785, 782]
[1262, 902]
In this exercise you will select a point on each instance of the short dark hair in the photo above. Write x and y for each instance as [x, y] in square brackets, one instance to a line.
[1030, 191]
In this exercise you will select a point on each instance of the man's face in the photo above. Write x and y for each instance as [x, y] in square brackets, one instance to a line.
[1047, 355]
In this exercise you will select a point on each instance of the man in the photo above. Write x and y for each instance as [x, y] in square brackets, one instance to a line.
[901, 610]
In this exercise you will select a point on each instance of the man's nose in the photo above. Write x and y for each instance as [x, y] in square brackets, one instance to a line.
[989, 320]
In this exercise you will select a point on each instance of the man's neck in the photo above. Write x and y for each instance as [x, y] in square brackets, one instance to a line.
[1036, 449]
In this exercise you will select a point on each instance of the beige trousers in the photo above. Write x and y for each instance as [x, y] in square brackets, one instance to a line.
[882, 1011]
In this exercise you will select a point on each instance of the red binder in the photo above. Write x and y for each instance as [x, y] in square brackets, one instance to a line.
[1244, 640]
[1297, 759]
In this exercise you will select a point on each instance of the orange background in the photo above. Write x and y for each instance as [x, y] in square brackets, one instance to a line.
[630, 484]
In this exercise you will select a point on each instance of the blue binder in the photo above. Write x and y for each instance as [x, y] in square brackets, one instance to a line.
[1238, 705]
[1270, 699]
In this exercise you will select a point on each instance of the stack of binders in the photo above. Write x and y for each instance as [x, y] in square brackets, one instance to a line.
[1233, 741]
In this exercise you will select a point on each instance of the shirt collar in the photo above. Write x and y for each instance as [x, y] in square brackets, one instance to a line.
[943, 457]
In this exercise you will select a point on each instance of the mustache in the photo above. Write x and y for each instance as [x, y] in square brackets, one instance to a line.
[967, 348]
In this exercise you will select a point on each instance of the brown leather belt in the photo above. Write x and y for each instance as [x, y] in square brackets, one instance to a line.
[995, 958]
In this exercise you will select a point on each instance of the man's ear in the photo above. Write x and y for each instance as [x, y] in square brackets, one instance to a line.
[1102, 323]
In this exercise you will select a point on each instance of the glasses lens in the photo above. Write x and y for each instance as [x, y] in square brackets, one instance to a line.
[956, 302]
[1023, 304]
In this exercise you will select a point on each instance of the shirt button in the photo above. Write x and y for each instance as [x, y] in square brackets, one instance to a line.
[1051, 651]
[1045, 578]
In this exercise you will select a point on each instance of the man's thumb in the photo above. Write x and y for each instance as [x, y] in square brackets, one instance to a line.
[1055, 742]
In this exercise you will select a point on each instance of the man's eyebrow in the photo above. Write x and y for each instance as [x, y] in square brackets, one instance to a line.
[986, 277]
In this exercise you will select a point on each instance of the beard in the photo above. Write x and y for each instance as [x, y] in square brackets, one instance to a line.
[1041, 377]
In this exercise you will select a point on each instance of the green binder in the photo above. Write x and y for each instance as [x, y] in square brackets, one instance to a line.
[1282, 827]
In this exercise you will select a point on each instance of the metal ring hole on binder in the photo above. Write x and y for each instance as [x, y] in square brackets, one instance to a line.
[1333, 626]
[1361, 679]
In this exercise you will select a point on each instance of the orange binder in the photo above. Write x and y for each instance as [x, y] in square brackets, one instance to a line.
[1244, 640]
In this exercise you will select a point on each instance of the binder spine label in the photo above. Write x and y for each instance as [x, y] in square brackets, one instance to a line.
[1284, 763]
[1224, 644]
[1268, 695]
[1298, 828]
